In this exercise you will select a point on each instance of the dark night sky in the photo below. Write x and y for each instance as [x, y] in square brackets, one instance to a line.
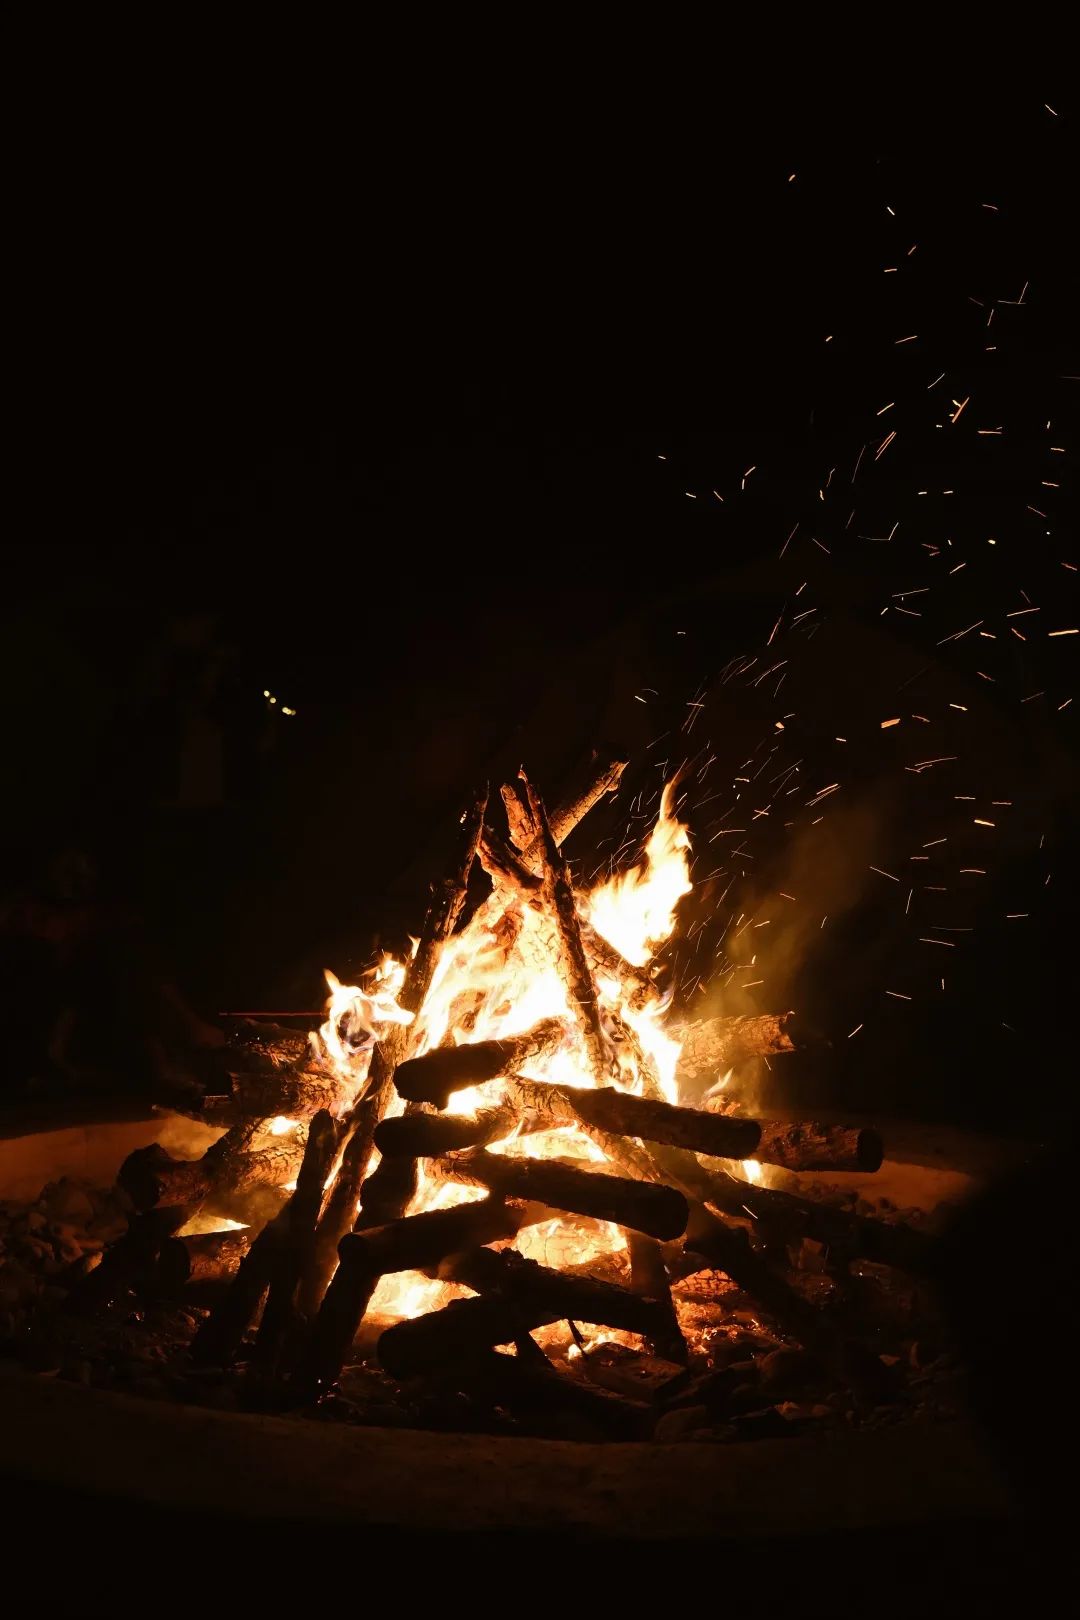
[383, 437]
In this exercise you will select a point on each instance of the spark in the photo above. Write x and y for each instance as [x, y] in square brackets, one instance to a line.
[883, 873]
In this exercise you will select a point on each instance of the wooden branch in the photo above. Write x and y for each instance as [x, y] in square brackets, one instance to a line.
[618, 1113]
[426, 1136]
[659, 1211]
[411, 1243]
[572, 962]
[295, 1093]
[649, 1277]
[434, 1077]
[252, 1046]
[578, 1298]
[447, 902]
[503, 864]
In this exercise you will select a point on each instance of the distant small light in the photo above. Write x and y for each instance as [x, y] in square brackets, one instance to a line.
[265, 692]
[286, 710]
[273, 700]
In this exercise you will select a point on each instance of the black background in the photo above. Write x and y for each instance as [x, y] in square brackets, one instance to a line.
[367, 410]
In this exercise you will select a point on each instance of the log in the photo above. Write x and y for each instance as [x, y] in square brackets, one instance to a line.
[200, 1257]
[252, 1047]
[601, 775]
[657, 1210]
[573, 965]
[504, 864]
[845, 1234]
[412, 1243]
[619, 1113]
[810, 1145]
[649, 1278]
[218, 1339]
[434, 1077]
[426, 1136]
[292, 1253]
[295, 1093]
[152, 1178]
[518, 820]
[447, 903]
[580, 1298]
[711, 1046]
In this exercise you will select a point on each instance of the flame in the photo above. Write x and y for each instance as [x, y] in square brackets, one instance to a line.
[498, 977]
[635, 910]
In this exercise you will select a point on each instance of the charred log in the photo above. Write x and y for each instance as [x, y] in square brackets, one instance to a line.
[295, 1093]
[434, 1077]
[657, 1210]
[714, 1045]
[411, 1243]
[573, 964]
[153, 1179]
[199, 1258]
[618, 1113]
[810, 1145]
[579, 1298]
[518, 820]
[447, 903]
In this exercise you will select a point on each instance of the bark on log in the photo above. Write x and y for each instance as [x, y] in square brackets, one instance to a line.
[292, 1253]
[448, 900]
[518, 820]
[412, 1243]
[618, 1113]
[660, 1211]
[505, 865]
[580, 1298]
[218, 1340]
[467, 1326]
[572, 962]
[202, 1257]
[295, 1093]
[810, 1145]
[252, 1046]
[601, 775]
[426, 1136]
[435, 1076]
[152, 1178]
[713, 1045]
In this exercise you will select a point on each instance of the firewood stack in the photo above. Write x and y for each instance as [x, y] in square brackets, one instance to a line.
[456, 1190]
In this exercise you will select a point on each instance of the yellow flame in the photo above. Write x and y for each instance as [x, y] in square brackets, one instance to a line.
[499, 977]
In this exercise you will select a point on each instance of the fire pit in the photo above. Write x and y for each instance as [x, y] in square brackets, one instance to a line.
[501, 1193]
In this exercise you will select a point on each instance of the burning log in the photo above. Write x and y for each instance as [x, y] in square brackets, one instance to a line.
[435, 1076]
[649, 1278]
[198, 1258]
[275, 1253]
[573, 964]
[503, 864]
[528, 1296]
[295, 1093]
[292, 1252]
[714, 1045]
[520, 823]
[126, 1263]
[618, 1113]
[602, 775]
[446, 907]
[657, 1210]
[429, 1136]
[152, 1178]
[412, 1243]
[809, 1145]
